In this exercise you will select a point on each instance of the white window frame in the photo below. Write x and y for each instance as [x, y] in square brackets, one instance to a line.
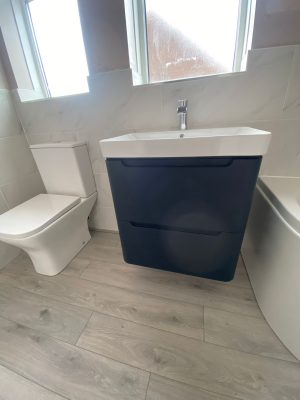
[138, 45]
[244, 39]
[30, 63]
[30, 85]
[137, 40]
[35, 49]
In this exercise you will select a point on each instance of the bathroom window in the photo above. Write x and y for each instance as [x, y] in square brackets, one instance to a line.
[56, 39]
[171, 39]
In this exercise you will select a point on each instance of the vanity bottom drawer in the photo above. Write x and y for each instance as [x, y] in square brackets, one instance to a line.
[212, 255]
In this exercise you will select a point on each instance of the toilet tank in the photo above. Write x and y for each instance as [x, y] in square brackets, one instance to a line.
[65, 168]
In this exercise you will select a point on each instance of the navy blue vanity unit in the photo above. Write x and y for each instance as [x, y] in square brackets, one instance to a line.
[186, 214]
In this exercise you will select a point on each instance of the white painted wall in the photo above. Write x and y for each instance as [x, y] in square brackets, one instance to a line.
[267, 96]
[19, 178]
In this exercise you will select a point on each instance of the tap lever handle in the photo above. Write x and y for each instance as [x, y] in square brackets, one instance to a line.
[182, 106]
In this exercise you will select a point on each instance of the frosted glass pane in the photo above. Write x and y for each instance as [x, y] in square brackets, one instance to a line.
[191, 37]
[59, 38]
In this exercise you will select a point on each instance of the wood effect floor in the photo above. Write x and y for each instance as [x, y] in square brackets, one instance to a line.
[103, 329]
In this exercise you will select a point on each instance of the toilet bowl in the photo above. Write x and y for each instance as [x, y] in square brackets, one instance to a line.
[52, 228]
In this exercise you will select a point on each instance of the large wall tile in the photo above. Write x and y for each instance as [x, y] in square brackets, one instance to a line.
[104, 191]
[257, 94]
[22, 189]
[3, 80]
[283, 157]
[33, 138]
[142, 111]
[103, 218]
[92, 137]
[292, 102]
[3, 203]
[15, 159]
[9, 124]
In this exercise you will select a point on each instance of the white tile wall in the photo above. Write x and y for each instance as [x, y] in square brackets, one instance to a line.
[9, 124]
[266, 96]
[23, 188]
[291, 108]
[15, 159]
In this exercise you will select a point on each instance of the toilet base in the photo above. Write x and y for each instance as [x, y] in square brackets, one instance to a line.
[53, 258]
[52, 249]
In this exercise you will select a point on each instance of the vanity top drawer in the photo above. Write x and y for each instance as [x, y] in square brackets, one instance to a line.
[212, 194]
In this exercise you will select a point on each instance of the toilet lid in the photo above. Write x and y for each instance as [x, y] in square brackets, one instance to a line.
[34, 215]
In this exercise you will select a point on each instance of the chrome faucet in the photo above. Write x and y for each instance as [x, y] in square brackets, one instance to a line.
[182, 112]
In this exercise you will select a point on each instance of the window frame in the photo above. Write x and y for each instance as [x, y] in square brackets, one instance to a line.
[138, 20]
[21, 54]
[34, 62]
[35, 48]
[135, 11]
[243, 39]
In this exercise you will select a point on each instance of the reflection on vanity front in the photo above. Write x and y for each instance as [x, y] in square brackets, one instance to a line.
[182, 200]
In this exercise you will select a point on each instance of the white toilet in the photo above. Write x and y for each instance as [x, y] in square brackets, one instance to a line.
[52, 228]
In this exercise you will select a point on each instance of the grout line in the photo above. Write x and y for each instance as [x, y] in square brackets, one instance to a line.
[149, 326]
[146, 394]
[226, 396]
[18, 179]
[270, 358]
[204, 324]
[83, 329]
[63, 272]
[4, 198]
[85, 268]
[292, 71]
[262, 318]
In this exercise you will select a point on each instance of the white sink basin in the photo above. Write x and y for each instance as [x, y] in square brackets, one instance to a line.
[238, 141]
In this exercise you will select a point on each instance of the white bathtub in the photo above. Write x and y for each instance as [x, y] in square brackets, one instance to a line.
[271, 251]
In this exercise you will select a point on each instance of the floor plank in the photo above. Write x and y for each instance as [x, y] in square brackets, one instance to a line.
[93, 251]
[59, 320]
[76, 267]
[66, 369]
[15, 387]
[193, 362]
[243, 333]
[170, 285]
[241, 276]
[108, 239]
[182, 318]
[164, 389]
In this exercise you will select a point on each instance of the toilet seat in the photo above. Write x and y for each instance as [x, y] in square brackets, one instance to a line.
[34, 215]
